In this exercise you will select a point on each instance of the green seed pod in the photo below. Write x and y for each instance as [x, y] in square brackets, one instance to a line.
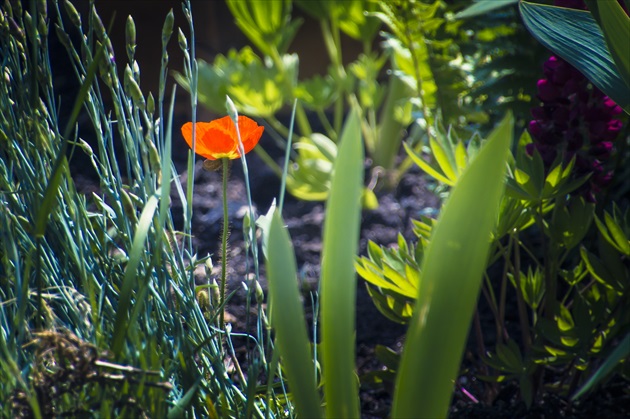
[181, 38]
[42, 7]
[99, 28]
[42, 27]
[130, 36]
[17, 8]
[154, 158]
[86, 147]
[150, 104]
[132, 89]
[17, 32]
[203, 299]
[128, 207]
[8, 10]
[74, 16]
[136, 71]
[43, 109]
[216, 294]
[167, 29]
[103, 68]
[260, 295]
[28, 25]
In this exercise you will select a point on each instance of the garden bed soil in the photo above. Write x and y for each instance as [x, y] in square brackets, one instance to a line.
[410, 199]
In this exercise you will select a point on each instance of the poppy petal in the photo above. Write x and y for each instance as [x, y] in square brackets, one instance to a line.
[201, 130]
[252, 139]
[218, 139]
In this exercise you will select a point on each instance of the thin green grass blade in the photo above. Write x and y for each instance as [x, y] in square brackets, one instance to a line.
[287, 154]
[338, 280]
[61, 163]
[452, 271]
[288, 319]
[165, 190]
[121, 324]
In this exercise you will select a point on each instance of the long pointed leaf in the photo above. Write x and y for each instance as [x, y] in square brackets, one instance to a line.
[338, 281]
[452, 270]
[121, 324]
[288, 318]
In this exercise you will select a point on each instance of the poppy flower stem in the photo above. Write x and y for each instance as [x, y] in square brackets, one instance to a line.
[224, 237]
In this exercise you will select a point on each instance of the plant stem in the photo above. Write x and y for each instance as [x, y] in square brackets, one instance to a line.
[224, 237]
[520, 300]
[269, 161]
[330, 131]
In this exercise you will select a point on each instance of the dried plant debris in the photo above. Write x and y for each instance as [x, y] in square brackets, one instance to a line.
[69, 375]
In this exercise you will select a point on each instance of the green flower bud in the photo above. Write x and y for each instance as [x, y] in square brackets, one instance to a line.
[150, 104]
[132, 89]
[73, 15]
[167, 29]
[181, 38]
[130, 37]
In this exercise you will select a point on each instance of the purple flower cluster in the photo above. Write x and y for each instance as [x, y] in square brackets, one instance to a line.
[575, 119]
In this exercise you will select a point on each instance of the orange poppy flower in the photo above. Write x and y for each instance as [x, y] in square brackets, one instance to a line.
[217, 139]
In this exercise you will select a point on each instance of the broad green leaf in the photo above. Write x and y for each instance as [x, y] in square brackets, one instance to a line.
[266, 23]
[353, 20]
[576, 37]
[290, 326]
[338, 281]
[317, 92]
[455, 260]
[256, 88]
[616, 26]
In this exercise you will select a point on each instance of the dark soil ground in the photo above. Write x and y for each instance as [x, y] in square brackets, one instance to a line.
[410, 199]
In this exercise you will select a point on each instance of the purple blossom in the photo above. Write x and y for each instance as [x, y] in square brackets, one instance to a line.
[574, 120]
